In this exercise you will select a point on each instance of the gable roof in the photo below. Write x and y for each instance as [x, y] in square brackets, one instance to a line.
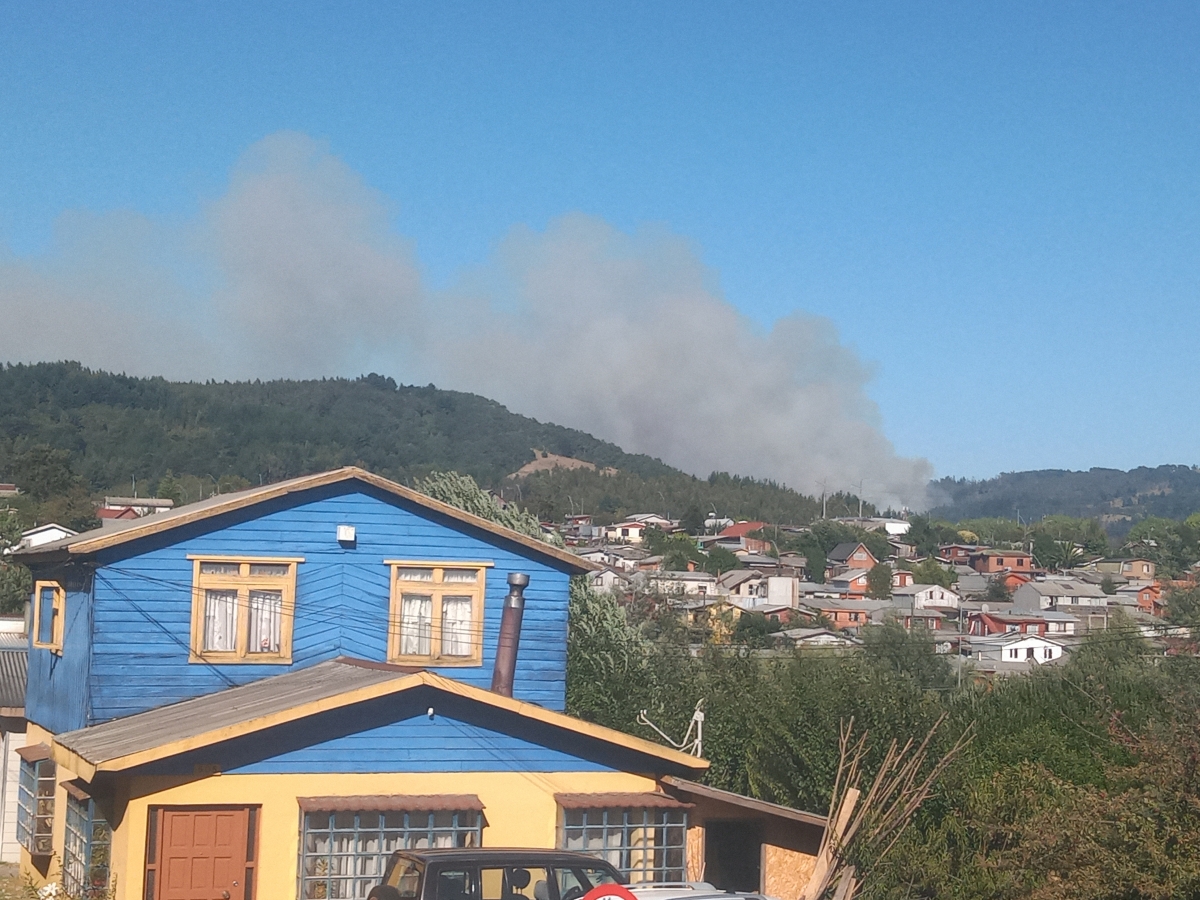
[115, 534]
[844, 551]
[161, 733]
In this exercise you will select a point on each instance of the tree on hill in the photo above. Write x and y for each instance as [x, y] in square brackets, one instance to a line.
[16, 585]
[719, 561]
[693, 520]
[879, 582]
[930, 571]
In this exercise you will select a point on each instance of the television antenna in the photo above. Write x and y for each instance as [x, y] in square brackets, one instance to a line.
[689, 744]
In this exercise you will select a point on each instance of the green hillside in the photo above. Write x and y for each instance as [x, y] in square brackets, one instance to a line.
[118, 428]
[1119, 499]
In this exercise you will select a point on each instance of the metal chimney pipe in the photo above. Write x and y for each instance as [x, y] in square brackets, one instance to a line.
[510, 635]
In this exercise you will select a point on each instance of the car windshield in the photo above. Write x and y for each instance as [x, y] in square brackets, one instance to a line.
[406, 877]
[576, 881]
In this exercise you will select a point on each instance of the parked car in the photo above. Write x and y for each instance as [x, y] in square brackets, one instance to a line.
[487, 873]
[688, 890]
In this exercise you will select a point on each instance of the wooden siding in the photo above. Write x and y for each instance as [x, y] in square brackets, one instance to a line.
[395, 734]
[142, 603]
[56, 692]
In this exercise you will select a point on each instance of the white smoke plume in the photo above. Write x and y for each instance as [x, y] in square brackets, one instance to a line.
[295, 272]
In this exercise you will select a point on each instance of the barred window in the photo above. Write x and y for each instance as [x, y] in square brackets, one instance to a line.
[85, 867]
[643, 844]
[35, 806]
[344, 853]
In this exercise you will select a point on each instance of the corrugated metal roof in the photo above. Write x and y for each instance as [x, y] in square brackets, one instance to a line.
[14, 667]
[235, 706]
[204, 721]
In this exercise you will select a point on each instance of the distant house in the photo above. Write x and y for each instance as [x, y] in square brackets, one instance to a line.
[927, 596]
[957, 554]
[820, 638]
[742, 583]
[739, 532]
[844, 613]
[990, 562]
[44, 534]
[8, 490]
[851, 556]
[627, 532]
[1145, 597]
[984, 622]
[609, 579]
[890, 527]
[1133, 569]
[699, 584]
[1013, 648]
[852, 581]
[902, 578]
[141, 506]
[121, 512]
[1051, 594]
[911, 617]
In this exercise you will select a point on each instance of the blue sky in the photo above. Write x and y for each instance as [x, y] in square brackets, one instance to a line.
[998, 206]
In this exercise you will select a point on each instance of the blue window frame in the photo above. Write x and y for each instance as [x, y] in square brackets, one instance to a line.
[344, 852]
[86, 850]
[35, 806]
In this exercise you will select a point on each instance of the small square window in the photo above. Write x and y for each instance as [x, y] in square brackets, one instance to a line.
[49, 613]
[242, 609]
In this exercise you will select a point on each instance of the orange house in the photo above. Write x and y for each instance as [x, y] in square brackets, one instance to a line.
[989, 562]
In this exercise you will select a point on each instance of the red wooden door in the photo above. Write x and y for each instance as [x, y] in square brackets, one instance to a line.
[203, 854]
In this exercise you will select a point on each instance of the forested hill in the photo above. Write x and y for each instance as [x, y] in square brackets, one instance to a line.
[1172, 492]
[118, 428]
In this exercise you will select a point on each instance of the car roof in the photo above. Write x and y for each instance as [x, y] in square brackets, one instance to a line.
[501, 855]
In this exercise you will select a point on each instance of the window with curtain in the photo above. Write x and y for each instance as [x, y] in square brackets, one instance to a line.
[646, 845]
[35, 806]
[85, 869]
[243, 609]
[437, 613]
[344, 852]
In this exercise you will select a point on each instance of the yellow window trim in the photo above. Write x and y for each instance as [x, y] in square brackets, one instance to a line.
[243, 583]
[436, 589]
[59, 610]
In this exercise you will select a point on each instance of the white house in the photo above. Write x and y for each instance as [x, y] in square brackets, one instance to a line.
[688, 583]
[44, 534]
[625, 532]
[1016, 648]
[927, 596]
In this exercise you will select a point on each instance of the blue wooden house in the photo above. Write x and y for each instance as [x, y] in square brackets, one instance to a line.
[265, 693]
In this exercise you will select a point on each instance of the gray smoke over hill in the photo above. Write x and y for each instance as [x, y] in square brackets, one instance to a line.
[295, 272]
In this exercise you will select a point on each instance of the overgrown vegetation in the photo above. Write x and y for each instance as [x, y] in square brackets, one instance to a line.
[1081, 783]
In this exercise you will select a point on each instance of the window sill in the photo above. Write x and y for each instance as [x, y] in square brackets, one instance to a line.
[234, 660]
[440, 662]
[53, 648]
